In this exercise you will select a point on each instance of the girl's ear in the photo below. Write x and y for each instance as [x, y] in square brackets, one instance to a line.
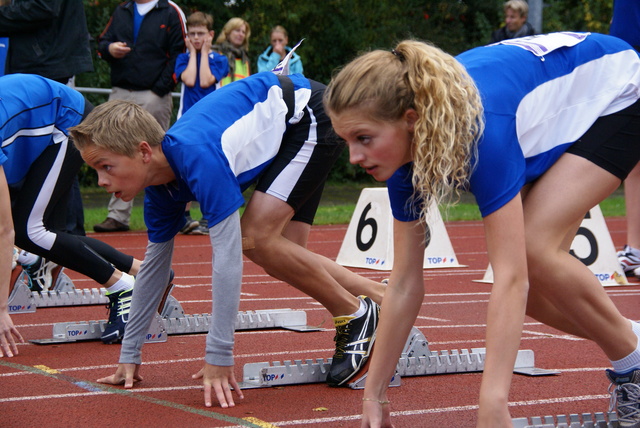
[410, 117]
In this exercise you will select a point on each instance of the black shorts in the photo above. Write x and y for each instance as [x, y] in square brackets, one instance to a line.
[612, 142]
[309, 148]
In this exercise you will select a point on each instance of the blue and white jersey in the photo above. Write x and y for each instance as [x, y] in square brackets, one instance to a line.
[219, 148]
[34, 113]
[540, 94]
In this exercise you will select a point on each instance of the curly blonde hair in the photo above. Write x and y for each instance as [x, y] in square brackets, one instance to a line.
[417, 75]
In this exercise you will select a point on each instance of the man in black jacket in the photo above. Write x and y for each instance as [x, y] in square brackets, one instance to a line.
[141, 43]
[46, 37]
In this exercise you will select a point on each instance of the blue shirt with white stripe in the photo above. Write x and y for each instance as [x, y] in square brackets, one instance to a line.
[218, 149]
[539, 96]
[34, 113]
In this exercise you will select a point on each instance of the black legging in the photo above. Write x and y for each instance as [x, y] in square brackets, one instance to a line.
[39, 207]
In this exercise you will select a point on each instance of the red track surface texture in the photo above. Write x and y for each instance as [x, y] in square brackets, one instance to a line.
[52, 386]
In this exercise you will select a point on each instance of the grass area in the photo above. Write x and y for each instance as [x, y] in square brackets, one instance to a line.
[340, 213]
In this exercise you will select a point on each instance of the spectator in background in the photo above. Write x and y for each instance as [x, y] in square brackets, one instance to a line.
[199, 78]
[48, 38]
[234, 44]
[515, 22]
[275, 53]
[626, 26]
[141, 43]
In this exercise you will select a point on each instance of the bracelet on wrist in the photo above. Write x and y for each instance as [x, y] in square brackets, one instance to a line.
[377, 401]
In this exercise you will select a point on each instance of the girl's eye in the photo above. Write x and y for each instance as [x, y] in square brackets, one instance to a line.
[364, 139]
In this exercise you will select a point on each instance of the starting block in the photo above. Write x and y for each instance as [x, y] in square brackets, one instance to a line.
[594, 247]
[415, 360]
[172, 321]
[368, 242]
[62, 293]
[585, 420]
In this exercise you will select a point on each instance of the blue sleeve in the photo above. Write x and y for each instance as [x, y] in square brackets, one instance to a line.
[163, 215]
[219, 65]
[181, 65]
[500, 170]
[202, 170]
[404, 206]
[212, 182]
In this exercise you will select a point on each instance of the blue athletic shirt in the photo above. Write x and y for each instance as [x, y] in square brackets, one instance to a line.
[538, 99]
[218, 149]
[34, 113]
[219, 66]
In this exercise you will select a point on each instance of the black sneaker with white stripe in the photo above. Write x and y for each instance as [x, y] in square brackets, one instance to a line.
[119, 306]
[354, 340]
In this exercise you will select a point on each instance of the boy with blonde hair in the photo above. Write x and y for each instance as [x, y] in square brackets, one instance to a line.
[265, 129]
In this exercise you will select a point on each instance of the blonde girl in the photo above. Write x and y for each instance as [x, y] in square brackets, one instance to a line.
[539, 131]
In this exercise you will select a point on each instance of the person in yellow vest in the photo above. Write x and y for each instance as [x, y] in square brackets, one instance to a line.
[233, 42]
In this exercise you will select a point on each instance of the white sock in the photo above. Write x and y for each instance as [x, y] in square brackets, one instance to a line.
[631, 361]
[25, 258]
[123, 284]
[361, 310]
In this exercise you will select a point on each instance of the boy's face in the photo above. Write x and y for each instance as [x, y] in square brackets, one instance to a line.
[514, 21]
[120, 175]
[198, 35]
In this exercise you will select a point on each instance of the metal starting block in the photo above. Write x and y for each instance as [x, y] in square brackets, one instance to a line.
[585, 420]
[415, 360]
[172, 320]
[63, 293]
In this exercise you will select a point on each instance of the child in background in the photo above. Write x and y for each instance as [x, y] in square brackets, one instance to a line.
[199, 78]
[276, 52]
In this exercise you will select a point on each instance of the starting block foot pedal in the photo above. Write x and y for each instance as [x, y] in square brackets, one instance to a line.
[63, 293]
[70, 332]
[585, 420]
[21, 300]
[417, 360]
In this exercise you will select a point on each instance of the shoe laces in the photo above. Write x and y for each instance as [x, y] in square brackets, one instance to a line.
[37, 272]
[119, 306]
[342, 339]
[626, 397]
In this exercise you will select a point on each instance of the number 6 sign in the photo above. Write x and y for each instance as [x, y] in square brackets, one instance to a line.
[368, 242]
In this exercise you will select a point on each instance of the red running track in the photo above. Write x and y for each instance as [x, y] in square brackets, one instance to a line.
[53, 385]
